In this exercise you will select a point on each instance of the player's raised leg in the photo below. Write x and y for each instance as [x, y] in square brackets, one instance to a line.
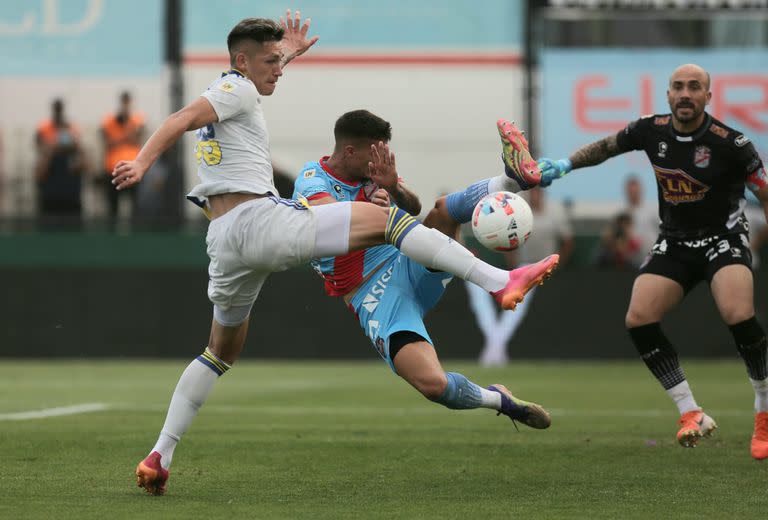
[415, 360]
[652, 297]
[345, 227]
[733, 292]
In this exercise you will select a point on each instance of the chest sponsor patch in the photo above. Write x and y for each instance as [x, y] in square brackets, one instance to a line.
[678, 187]
[701, 156]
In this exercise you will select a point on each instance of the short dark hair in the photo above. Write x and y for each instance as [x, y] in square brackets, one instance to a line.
[362, 124]
[256, 29]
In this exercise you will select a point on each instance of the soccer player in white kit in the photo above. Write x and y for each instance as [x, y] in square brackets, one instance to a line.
[253, 232]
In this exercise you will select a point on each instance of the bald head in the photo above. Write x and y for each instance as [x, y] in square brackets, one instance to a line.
[690, 71]
[688, 95]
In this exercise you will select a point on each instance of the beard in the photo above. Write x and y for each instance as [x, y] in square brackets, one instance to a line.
[694, 113]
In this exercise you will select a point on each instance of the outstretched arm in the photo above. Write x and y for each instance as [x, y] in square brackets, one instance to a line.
[595, 153]
[295, 41]
[196, 115]
[588, 155]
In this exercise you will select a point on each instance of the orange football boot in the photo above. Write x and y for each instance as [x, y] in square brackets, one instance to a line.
[693, 426]
[151, 476]
[760, 437]
[523, 279]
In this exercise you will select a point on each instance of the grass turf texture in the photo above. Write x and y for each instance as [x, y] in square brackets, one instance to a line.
[351, 440]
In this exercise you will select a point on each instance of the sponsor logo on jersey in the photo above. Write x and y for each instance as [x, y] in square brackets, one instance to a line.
[701, 242]
[663, 149]
[373, 298]
[309, 173]
[679, 187]
[227, 86]
[718, 130]
[741, 140]
[660, 121]
[701, 156]
[337, 188]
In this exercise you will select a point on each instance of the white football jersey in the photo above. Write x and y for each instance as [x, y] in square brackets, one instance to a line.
[233, 154]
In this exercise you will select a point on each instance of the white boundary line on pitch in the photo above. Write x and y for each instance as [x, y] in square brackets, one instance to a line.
[54, 412]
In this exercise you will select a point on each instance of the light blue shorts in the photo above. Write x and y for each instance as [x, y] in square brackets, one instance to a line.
[396, 299]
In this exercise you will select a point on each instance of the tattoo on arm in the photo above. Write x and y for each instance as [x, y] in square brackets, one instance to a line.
[406, 200]
[595, 153]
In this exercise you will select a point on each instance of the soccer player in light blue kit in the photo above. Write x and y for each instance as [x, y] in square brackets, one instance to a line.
[388, 292]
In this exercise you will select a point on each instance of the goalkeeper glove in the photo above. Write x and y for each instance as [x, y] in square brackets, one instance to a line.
[551, 170]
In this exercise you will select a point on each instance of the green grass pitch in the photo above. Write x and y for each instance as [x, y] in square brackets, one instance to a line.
[351, 440]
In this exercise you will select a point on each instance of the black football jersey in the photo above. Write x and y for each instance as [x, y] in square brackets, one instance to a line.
[700, 176]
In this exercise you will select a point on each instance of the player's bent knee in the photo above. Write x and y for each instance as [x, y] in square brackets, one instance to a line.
[737, 314]
[233, 316]
[431, 386]
[637, 317]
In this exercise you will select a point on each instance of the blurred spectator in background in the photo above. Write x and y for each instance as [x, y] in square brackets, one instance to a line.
[552, 232]
[60, 164]
[122, 134]
[645, 216]
[620, 246]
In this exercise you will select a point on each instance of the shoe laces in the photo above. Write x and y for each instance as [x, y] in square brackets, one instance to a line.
[514, 422]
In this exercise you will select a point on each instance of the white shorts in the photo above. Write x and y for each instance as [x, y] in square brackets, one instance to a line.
[254, 239]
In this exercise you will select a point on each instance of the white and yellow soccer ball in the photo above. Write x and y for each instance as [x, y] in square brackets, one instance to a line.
[502, 221]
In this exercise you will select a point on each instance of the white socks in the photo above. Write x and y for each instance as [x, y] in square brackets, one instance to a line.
[502, 183]
[761, 394]
[192, 390]
[683, 398]
[433, 249]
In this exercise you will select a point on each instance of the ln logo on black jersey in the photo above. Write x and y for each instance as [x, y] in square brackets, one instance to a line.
[663, 149]
[701, 156]
[678, 186]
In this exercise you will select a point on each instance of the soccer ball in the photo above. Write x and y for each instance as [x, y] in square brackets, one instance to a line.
[502, 221]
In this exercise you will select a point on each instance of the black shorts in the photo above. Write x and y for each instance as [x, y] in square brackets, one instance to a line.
[690, 261]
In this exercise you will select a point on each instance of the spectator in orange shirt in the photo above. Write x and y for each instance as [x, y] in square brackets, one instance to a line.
[122, 133]
[60, 164]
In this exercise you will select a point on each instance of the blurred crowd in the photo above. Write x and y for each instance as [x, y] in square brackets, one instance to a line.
[62, 166]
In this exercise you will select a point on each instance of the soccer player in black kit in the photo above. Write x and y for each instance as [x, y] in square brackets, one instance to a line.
[701, 167]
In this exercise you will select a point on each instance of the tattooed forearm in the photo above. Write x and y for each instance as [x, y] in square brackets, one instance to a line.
[595, 153]
[406, 199]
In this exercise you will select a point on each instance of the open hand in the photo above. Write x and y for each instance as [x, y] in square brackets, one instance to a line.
[381, 168]
[295, 41]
